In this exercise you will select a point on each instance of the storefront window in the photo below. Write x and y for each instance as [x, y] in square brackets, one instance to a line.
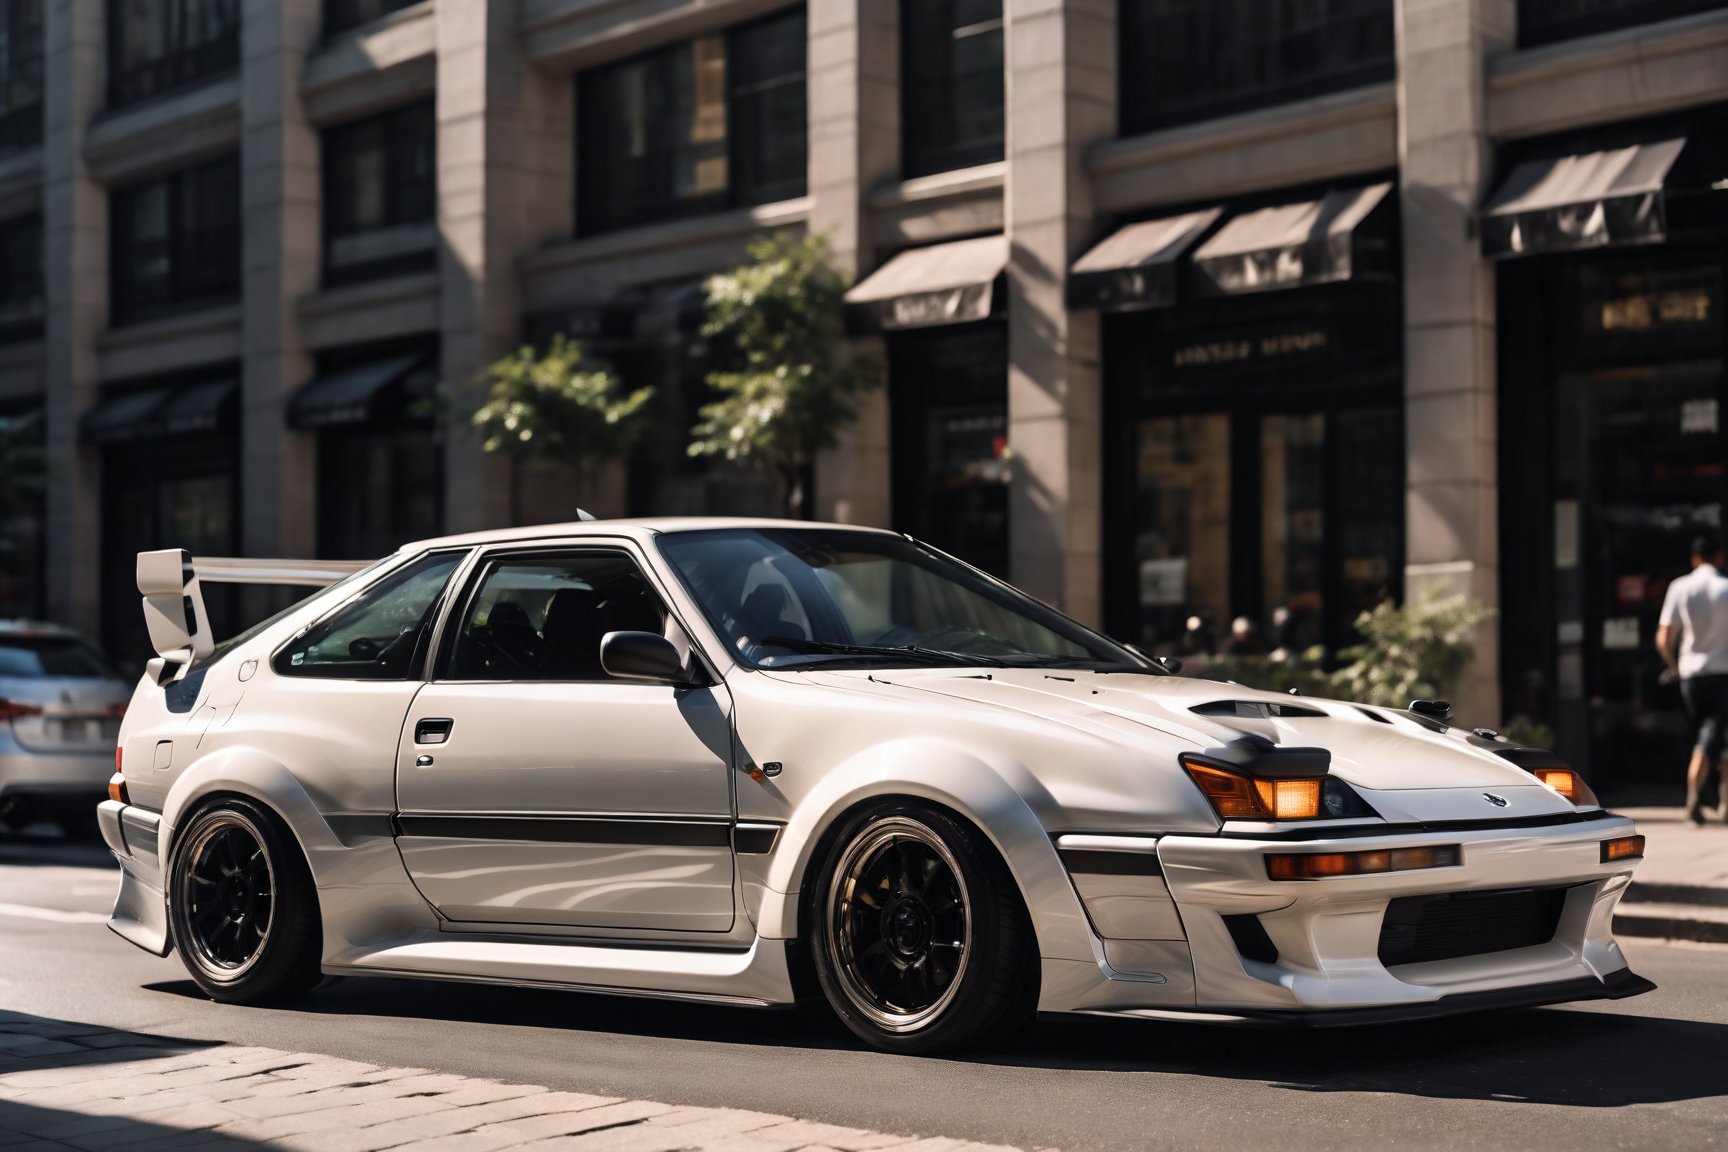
[20, 74]
[1182, 539]
[21, 310]
[1293, 529]
[948, 395]
[1545, 21]
[1188, 60]
[378, 488]
[706, 124]
[22, 483]
[951, 94]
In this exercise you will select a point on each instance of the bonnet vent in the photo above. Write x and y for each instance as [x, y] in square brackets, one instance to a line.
[1256, 710]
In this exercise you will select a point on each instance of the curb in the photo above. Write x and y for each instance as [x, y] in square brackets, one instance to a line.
[1709, 897]
[1670, 924]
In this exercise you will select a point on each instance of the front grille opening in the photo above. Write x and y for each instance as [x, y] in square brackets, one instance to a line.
[1251, 939]
[1420, 929]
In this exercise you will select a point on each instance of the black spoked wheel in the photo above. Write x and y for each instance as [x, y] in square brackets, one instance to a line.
[229, 894]
[243, 908]
[921, 942]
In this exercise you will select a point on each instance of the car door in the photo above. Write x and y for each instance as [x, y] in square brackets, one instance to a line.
[534, 789]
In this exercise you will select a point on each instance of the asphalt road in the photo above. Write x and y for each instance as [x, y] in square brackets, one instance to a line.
[1646, 1073]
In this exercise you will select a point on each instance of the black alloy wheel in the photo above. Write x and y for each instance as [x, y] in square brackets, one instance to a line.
[921, 942]
[242, 906]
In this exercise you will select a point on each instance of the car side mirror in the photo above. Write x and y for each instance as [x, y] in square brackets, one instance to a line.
[644, 656]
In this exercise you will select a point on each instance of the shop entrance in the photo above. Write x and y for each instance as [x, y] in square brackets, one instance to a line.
[1291, 520]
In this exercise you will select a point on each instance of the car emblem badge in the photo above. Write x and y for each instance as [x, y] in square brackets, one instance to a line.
[1497, 801]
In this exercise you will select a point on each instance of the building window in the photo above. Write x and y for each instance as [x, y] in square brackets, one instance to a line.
[1545, 21]
[341, 15]
[20, 74]
[23, 476]
[951, 92]
[156, 46]
[176, 241]
[21, 313]
[1188, 60]
[710, 123]
[380, 195]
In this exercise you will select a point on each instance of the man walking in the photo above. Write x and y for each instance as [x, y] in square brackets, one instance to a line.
[1692, 638]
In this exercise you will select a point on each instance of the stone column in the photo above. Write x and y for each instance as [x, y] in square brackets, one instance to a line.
[1452, 520]
[1061, 99]
[75, 259]
[280, 242]
[854, 148]
[504, 185]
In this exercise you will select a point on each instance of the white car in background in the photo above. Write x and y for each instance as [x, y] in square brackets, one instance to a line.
[60, 706]
[698, 759]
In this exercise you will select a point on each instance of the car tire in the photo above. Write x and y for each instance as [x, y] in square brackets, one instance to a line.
[242, 906]
[920, 940]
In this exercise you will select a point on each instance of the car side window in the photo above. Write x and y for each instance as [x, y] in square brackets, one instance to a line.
[375, 635]
[542, 618]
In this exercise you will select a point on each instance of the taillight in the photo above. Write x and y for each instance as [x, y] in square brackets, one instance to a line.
[14, 710]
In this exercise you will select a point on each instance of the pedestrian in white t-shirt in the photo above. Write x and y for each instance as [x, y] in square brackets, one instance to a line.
[1692, 639]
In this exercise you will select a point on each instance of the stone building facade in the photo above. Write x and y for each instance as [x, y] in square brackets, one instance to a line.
[1191, 310]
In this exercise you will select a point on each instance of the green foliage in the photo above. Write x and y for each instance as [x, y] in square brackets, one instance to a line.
[557, 407]
[788, 388]
[1417, 651]
[1528, 730]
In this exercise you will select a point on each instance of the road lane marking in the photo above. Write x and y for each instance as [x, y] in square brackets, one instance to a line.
[53, 914]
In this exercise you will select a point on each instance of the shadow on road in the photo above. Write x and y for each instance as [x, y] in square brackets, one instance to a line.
[1548, 1056]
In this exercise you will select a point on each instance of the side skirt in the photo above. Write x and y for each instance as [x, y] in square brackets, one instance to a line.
[757, 977]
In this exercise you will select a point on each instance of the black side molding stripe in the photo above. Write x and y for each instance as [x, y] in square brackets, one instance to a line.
[572, 830]
[1094, 862]
[755, 839]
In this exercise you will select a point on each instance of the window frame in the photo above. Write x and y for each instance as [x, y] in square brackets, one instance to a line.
[473, 580]
[1140, 112]
[181, 65]
[660, 207]
[31, 326]
[184, 292]
[393, 126]
[927, 158]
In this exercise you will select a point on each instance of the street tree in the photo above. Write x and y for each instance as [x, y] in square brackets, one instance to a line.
[787, 384]
[556, 406]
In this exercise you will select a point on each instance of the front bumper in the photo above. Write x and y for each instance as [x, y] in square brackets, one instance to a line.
[133, 834]
[1324, 963]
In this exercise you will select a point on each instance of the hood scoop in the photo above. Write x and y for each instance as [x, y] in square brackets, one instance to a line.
[1256, 710]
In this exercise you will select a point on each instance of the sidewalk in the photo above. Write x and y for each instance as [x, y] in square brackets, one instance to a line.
[1681, 888]
[65, 1085]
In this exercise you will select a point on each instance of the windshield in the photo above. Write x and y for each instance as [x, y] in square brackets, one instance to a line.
[802, 598]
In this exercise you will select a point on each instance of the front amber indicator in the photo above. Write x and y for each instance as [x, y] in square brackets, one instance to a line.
[1568, 783]
[1321, 865]
[1237, 797]
[1622, 848]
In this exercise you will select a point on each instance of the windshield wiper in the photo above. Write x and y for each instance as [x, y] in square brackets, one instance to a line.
[897, 651]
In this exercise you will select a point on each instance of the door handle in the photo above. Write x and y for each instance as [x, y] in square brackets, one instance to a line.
[433, 730]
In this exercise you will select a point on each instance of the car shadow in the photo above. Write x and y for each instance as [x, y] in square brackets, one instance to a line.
[51, 850]
[1591, 1059]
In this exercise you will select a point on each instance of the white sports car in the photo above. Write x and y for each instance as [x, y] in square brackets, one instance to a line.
[699, 759]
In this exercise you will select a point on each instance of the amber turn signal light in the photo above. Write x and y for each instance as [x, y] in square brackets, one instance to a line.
[1237, 797]
[117, 788]
[1622, 848]
[1568, 783]
[1320, 865]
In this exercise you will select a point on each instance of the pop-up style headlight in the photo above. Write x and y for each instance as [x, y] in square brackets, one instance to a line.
[1257, 780]
[1569, 784]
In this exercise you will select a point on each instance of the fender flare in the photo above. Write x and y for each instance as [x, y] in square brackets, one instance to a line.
[249, 773]
[992, 797]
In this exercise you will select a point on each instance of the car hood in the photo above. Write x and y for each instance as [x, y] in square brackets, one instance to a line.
[1442, 773]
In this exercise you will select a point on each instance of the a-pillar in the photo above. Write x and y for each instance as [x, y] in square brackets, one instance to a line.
[854, 149]
[1061, 99]
[1452, 519]
[279, 193]
[75, 265]
[504, 148]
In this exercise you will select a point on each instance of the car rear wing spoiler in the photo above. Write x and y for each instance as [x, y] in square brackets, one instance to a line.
[171, 583]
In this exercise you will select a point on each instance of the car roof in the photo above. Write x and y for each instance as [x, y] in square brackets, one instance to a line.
[637, 527]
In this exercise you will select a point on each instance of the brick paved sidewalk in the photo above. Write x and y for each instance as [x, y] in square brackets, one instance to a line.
[77, 1086]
